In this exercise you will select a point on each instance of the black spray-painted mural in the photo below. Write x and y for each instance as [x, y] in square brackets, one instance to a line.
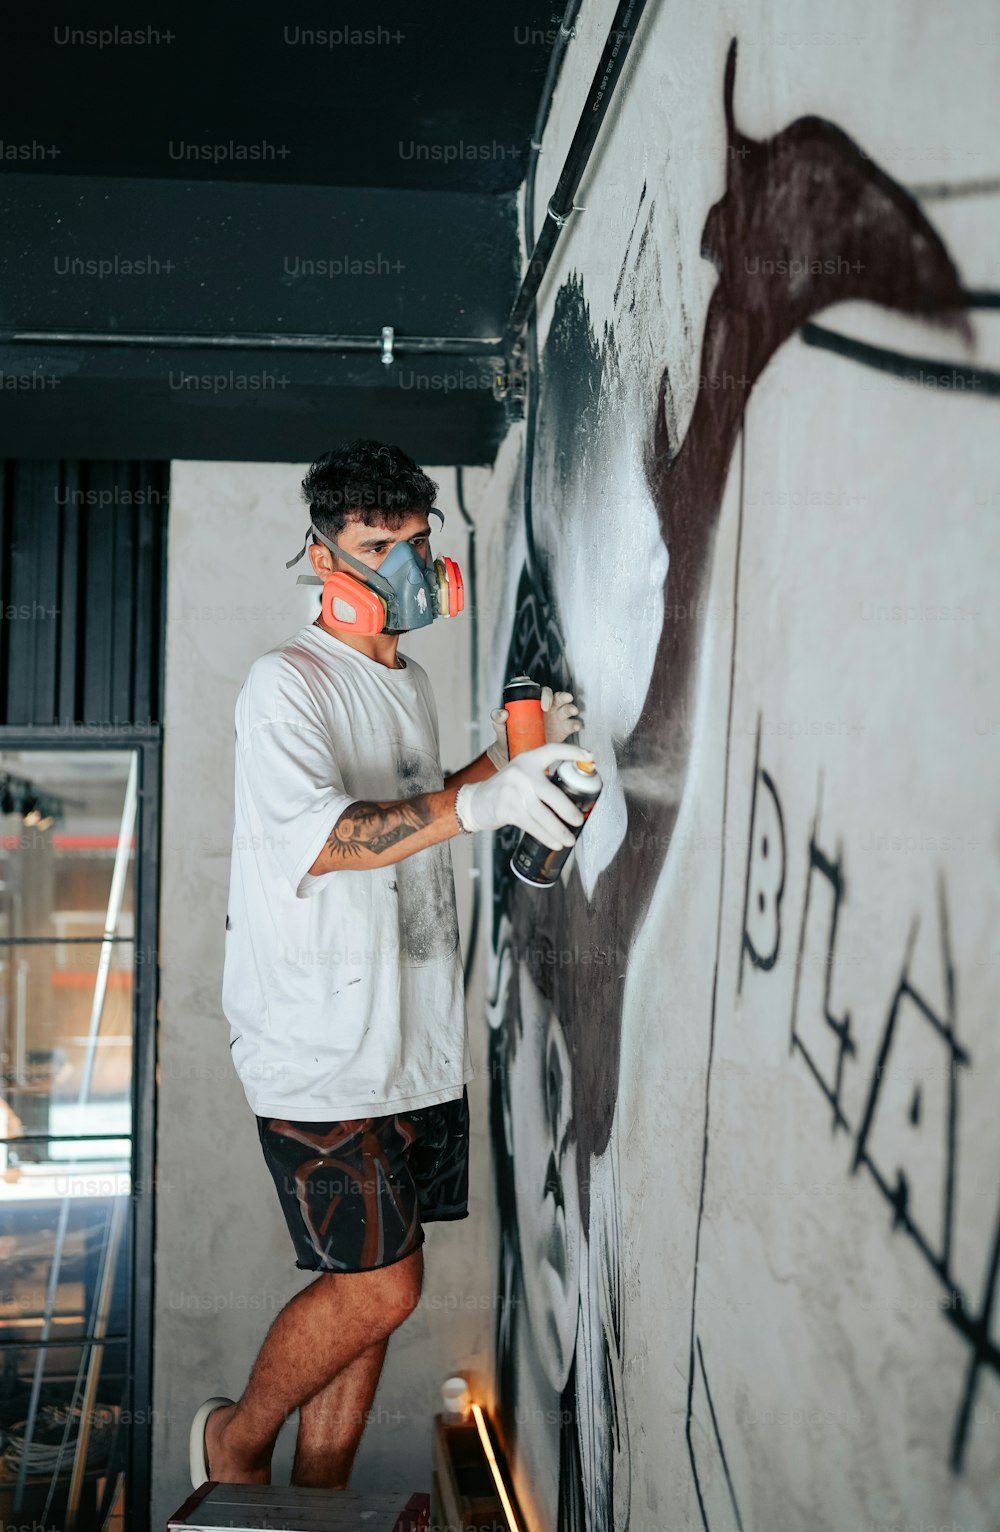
[807, 220]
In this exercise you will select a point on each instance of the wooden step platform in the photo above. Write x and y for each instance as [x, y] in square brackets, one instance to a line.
[288, 1508]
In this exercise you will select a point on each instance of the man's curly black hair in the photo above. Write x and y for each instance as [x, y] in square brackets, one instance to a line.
[367, 480]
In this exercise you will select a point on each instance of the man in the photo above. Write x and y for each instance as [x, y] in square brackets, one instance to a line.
[343, 978]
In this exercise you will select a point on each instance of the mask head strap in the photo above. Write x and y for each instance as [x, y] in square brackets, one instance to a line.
[340, 553]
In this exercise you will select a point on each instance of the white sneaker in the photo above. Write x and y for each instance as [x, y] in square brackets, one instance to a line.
[197, 1456]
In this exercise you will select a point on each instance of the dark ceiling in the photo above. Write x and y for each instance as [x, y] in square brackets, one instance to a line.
[244, 174]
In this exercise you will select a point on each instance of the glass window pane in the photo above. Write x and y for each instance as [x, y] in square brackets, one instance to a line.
[54, 998]
[55, 871]
[63, 1384]
[48, 1168]
[29, 1245]
[56, 1439]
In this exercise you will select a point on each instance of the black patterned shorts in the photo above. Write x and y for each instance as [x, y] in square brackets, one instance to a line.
[356, 1193]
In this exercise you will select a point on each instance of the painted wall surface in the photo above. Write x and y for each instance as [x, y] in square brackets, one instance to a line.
[224, 1262]
[744, 1056]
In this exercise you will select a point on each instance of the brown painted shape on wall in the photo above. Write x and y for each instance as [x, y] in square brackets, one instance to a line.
[807, 220]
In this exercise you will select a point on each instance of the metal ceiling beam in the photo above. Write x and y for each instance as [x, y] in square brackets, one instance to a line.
[435, 345]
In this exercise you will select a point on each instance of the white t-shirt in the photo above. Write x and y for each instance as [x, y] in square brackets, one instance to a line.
[344, 993]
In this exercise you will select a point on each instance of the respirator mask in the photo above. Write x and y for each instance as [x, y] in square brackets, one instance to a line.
[404, 592]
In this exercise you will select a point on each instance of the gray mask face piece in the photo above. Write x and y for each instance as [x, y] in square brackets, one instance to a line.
[408, 586]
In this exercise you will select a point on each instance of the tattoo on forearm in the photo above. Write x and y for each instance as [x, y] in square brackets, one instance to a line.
[375, 827]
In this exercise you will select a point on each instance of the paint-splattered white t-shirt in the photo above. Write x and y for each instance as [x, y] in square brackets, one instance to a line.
[344, 993]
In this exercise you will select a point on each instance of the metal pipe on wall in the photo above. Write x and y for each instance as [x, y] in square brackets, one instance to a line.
[475, 872]
[609, 68]
[566, 32]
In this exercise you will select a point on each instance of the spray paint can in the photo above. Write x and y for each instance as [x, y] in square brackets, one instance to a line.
[522, 697]
[533, 861]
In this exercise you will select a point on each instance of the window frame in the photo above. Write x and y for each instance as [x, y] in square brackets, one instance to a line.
[145, 1017]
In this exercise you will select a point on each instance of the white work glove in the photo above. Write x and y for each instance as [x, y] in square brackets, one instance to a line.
[561, 719]
[521, 794]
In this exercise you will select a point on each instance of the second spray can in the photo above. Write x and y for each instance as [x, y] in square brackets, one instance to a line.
[533, 861]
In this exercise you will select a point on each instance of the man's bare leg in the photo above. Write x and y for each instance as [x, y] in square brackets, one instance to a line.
[332, 1422]
[318, 1333]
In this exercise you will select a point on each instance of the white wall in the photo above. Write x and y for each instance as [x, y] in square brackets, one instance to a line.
[851, 620]
[224, 1262]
